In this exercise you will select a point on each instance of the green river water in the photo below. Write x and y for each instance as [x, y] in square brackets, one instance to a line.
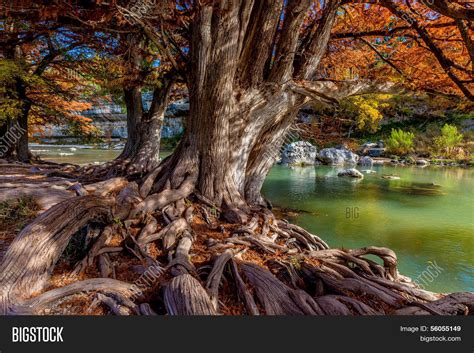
[426, 217]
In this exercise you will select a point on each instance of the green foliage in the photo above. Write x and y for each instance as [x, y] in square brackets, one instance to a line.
[118, 222]
[366, 110]
[11, 73]
[400, 142]
[461, 115]
[447, 143]
[448, 140]
[10, 105]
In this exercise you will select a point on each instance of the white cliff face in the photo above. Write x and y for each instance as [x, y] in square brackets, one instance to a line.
[111, 121]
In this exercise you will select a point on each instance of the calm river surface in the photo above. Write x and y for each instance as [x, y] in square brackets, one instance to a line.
[425, 217]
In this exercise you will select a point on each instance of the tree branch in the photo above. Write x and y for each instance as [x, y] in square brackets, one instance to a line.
[446, 63]
[285, 53]
[258, 41]
[318, 44]
[450, 9]
[386, 32]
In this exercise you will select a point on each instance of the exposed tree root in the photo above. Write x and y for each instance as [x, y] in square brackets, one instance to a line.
[31, 257]
[39, 302]
[186, 296]
[109, 170]
[266, 266]
[275, 296]
[244, 292]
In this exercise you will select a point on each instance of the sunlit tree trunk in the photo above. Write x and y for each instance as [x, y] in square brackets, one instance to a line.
[241, 101]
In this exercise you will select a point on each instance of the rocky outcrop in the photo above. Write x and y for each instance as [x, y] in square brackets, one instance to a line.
[372, 149]
[299, 153]
[353, 173]
[366, 161]
[338, 156]
[111, 120]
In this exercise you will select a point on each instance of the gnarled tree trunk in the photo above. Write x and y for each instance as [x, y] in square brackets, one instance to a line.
[241, 100]
[141, 153]
[145, 154]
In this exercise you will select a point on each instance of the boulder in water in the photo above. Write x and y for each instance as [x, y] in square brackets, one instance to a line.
[391, 177]
[338, 156]
[353, 173]
[299, 153]
[366, 161]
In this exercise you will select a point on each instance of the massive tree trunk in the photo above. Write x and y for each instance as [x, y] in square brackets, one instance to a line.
[241, 101]
[244, 100]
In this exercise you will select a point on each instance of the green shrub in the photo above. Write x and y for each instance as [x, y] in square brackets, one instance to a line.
[400, 142]
[449, 139]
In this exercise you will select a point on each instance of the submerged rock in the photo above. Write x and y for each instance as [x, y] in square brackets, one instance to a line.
[391, 177]
[353, 173]
[299, 153]
[425, 189]
[338, 156]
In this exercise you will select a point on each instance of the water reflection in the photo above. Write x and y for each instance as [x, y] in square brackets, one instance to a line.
[427, 215]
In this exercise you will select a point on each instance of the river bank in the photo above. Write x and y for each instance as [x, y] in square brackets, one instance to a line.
[425, 215]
